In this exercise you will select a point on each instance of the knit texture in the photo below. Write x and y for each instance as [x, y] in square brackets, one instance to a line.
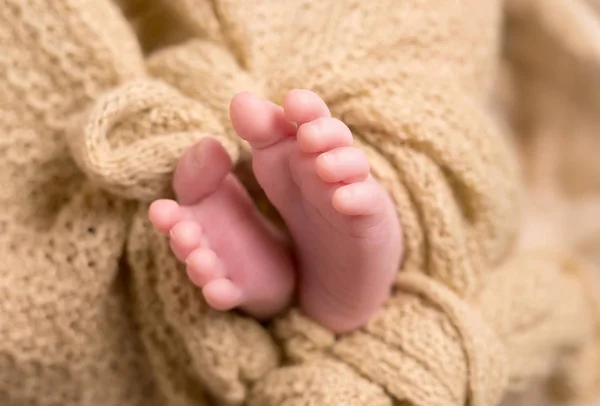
[98, 99]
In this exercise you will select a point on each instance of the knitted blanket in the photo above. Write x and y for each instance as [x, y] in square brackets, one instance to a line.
[99, 98]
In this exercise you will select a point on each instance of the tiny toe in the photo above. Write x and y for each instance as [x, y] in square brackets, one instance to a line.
[301, 106]
[359, 199]
[164, 214]
[222, 294]
[323, 134]
[204, 266]
[186, 236]
[346, 164]
[259, 121]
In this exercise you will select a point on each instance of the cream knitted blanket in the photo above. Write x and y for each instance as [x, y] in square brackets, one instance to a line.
[97, 101]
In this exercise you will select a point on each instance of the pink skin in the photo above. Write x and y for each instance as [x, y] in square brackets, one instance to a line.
[236, 256]
[344, 226]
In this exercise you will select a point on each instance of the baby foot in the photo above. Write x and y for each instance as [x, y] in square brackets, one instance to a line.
[231, 251]
[343, 223]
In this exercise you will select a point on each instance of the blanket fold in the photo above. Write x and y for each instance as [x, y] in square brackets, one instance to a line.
[129, 140]
[96, 309]
[476, 361]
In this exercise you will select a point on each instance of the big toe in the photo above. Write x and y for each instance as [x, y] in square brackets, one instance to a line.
[272, 137]
[200, 171]
[259, 121]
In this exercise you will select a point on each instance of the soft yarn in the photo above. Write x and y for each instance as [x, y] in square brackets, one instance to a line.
[98, 99]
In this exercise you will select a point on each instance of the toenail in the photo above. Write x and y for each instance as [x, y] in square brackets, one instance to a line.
[349, 194]
[328, 157]
[198, 155]
[179, 232]
[303, 96]
[315, 126]
[210, 258]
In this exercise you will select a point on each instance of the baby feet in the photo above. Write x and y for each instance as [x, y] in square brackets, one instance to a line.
[346, 233]
[344, 226]
[230, 250]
